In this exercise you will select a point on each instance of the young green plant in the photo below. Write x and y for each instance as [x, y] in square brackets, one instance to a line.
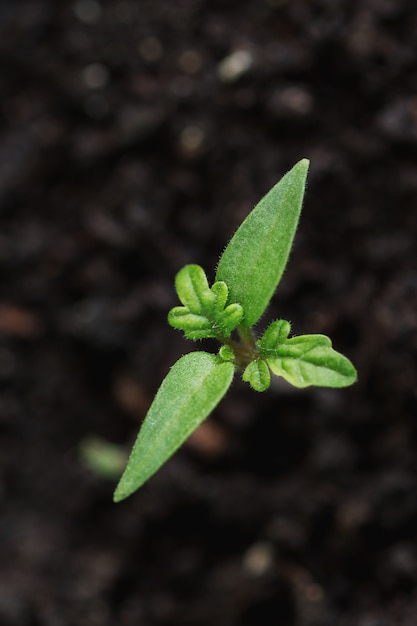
[248, 273]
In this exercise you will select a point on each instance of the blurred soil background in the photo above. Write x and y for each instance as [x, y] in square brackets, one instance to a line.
[135, 135]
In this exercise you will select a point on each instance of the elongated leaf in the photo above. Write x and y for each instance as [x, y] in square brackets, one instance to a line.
[298, 346]
[194, 326]
[310, 360]
[189, 392]
[221, 293]
[193, 290]
[255, 258]
[228, 319]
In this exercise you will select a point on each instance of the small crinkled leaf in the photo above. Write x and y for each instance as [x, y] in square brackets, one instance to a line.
[226, 353]
[276, 333]
[257, 375]
[255, 258]
[189, 392]
[310, 360]
[203, 315]
[181, 318]
[221, 292]
[229, 319]
[193, 290]
[194, 335]
[194, 326]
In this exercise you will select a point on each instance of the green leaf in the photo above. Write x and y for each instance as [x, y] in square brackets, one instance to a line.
[301, 344]
[193, 290]
[255, 258]
[221, 293]
[226, 353]
[276, 333]
[204, 314]
[189, 392]
[257, 375]
[194, 326]
[310, 360]
[228, 319]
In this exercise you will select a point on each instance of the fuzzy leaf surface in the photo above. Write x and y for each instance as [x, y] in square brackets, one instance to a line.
[257, 375]
[204, 314]
[310, 360]
[255, 258]
[189, 392]
[193, 289]
[276, 333]
[194, 326]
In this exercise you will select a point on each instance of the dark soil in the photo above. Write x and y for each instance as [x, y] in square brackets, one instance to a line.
[129, 147]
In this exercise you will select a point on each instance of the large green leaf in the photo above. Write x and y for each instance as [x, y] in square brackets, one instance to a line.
[255, 258]
[310, 360]
[189, 392]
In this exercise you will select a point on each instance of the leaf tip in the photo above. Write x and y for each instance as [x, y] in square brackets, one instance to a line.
[118, 496]
[124, 489]
[301, 167]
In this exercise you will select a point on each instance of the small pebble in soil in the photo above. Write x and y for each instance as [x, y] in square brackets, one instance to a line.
[234, 66]
[258, 559]
[95, 76]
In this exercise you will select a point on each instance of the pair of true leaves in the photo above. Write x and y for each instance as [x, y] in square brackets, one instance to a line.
[304, 360]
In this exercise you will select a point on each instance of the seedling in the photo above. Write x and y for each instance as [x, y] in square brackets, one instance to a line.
[247, 275]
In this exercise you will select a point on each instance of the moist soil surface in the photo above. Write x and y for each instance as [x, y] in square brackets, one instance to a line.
[135, 136]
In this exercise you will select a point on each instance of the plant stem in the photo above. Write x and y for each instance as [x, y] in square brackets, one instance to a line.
[245, 349]
[246, 336]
